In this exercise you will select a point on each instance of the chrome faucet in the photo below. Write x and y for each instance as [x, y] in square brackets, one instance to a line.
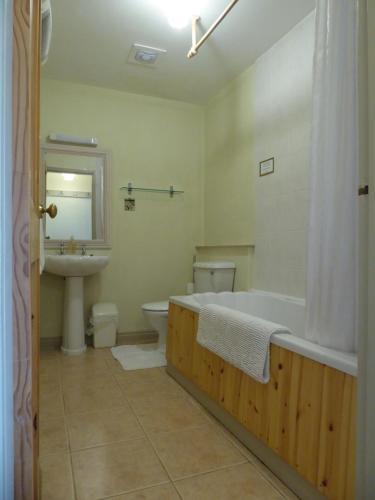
[62, 248]
[83, 250]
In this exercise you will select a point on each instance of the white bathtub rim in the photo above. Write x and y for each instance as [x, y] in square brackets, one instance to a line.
[342, 361]
[288, 298]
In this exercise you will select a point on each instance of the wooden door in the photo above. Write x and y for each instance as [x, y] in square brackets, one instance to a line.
[26, 277]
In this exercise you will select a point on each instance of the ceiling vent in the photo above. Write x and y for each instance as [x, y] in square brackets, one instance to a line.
[144, 55]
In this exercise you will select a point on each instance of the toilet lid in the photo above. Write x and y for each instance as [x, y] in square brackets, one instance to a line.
[156, 306]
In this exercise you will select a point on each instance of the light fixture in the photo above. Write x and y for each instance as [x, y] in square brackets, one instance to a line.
[68, 177]
[72, 139]
[178, 16]
[180, 12]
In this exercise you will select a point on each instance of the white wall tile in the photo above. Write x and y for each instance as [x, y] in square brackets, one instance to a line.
[282, 87]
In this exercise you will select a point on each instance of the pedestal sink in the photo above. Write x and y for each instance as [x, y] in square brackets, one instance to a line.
[74, 268]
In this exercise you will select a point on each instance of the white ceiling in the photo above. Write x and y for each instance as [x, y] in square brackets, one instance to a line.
[92, 39]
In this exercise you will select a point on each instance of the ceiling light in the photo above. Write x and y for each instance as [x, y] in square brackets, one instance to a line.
[178, 16]
[68, 177]
[180, 12]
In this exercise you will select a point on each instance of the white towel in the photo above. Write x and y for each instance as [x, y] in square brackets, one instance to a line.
[240, 339]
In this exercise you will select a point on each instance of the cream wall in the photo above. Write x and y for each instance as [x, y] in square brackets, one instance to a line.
[228, 180]
[154, 142]
[263, 113]
[229, 183]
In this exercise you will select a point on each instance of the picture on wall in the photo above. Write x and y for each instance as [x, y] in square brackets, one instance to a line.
[267, 167]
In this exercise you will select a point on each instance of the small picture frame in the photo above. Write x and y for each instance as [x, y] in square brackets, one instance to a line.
[266, 167]
[129, 205]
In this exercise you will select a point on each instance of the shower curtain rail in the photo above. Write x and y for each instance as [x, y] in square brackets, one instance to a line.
[196, 45]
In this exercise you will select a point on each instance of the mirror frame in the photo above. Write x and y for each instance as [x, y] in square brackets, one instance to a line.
[81, 151]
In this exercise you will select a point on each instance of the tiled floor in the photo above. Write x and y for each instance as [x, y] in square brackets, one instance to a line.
[107, 433]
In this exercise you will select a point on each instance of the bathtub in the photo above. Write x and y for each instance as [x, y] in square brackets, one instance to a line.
[302, 423]
[287, 311]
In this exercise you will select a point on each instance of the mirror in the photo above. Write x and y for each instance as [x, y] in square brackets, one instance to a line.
[77, 181]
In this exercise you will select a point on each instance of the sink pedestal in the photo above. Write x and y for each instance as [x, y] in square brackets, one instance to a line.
[74, 268]
[74, 327]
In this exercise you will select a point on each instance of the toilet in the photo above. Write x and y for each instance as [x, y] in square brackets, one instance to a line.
[216, 276]
[157, 315]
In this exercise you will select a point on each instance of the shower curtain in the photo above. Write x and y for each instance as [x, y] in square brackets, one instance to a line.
[332, 261]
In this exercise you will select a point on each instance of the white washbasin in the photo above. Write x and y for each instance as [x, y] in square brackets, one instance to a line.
[75, 265]
[74, 268]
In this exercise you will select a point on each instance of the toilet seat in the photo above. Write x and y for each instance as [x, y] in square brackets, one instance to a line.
[156, 306]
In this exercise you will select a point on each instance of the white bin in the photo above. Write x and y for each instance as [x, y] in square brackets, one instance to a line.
[104, 321]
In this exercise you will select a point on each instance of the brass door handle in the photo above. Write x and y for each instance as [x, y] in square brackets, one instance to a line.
[51, 211]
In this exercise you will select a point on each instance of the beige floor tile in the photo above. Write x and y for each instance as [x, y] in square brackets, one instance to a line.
[90, 359]
[74, 379]
[241, 482]
[141, 383]
[115, 469]
[106, 352]
[267, 474]
[57, 480]
[51, 405]
[49, 384]
[74, 364]
[53, 437]
[158, 413]
[271, 478]
[51, 355]
[51, 368]
[114, 365]
[193, 451]
[90, 354]
[163, 492]
[228, 435]
[92, 429]
[92, 398]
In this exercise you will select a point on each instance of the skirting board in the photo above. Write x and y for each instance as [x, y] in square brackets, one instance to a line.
[281, 469]
[137, 338]
[132, 338]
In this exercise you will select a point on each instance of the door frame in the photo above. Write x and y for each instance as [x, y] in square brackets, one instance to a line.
[6, 342]
[366, 341]
[25, 239]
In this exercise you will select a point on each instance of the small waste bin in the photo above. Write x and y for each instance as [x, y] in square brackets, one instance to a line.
[104, 321]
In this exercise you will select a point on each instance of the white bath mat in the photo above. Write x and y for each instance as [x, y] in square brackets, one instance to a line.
[137, 357]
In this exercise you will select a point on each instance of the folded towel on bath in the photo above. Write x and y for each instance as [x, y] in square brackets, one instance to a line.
[240, 339]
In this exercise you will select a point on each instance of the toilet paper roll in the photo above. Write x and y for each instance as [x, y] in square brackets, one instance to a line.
[190, 288]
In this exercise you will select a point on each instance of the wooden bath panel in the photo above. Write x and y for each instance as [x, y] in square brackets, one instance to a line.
[306, 414]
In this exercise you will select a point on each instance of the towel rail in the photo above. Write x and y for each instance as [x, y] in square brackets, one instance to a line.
[171, 191]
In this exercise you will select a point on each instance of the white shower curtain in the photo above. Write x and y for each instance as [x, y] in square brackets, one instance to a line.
[332, 264]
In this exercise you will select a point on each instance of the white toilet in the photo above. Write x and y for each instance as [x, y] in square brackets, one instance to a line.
[208, 277]
[157, 315]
